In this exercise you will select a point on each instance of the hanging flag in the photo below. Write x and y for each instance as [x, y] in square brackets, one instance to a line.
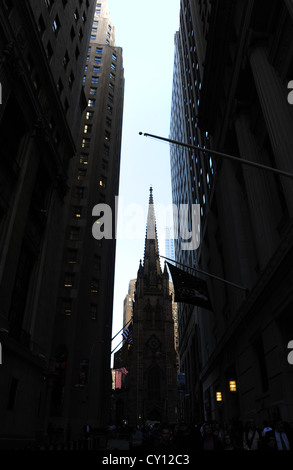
[123, 370]
[189, 288]
[127, 334]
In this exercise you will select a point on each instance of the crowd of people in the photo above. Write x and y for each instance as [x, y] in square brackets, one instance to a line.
[212, 436]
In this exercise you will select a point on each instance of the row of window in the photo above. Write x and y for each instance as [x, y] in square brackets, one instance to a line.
[67, 308]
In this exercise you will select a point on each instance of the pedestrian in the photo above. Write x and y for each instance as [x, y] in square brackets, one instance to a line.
[251, 436]
[269, 441]
[228, 443]
[165, 443]
[281, 436]
[209, 440]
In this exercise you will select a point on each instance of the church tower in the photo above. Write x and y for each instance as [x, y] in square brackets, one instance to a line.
[152, 377]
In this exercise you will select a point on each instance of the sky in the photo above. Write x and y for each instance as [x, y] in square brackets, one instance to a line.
[145, 31]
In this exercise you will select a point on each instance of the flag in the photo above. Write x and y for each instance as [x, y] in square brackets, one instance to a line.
[189, 288]
[118, 381]
[127, 334]
[123, 370]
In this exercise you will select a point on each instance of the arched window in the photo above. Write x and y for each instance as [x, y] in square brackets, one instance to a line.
[154, 384]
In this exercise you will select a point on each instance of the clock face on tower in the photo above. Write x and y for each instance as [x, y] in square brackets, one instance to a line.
[153, 343]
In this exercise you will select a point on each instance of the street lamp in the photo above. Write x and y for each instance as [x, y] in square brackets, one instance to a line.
[219, 396]
[233, 385]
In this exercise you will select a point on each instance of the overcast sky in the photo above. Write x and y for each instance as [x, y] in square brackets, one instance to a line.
[145, 31]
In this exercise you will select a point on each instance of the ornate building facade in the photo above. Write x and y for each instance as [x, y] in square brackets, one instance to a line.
[152, 370]
[233, 63]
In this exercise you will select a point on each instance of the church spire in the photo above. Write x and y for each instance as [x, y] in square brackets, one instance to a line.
[152, 268]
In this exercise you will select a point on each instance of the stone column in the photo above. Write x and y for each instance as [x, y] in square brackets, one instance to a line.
[259, 192]
[277, 114]
[289, 5]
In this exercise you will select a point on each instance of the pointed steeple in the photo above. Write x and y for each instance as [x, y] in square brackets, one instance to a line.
[151, 262]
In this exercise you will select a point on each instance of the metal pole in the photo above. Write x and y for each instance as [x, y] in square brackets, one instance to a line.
[208, 274]
[221, 154]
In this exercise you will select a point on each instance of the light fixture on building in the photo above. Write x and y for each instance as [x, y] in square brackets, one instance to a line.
[232, 386]
[219, 396]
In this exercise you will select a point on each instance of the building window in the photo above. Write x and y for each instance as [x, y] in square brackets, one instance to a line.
[109, 109]
[110, 98]
[95, 80]
[87, 129]
[89, 114]
[99, 50]
[96, 69]
[41, 24]
[113, 66]
[98, 60]
[97, 263]
[66, 60]
[72, 256]
[93, 312]
[77, 211]
[95, 286]
[84, 79]
[79, 192]
[74, 233]
[49, 4]
[76, 15]
[85, 143]
[112, 76]
[153, 384]
[93, 37]
[66, 307]
[108, 122]
[93, 91]
[71, 79]
[60, 86]
[68, 279]
[72, 33]
[81, 174]
[104, 165]
[66, 105]
[49, 50]
[83, 159]
[91, 103]
[103, 182]
[107, 136]
[114, 57]
[56, 25]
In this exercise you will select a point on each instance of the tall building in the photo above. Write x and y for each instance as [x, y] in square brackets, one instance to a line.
[242, 55]
[152, 371]
[128, 302]
[82, 381]
[43, 46]
[169, 243]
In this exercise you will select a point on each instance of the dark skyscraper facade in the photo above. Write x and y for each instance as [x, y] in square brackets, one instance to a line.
[61, 107]
[82, 386]
[233, 63]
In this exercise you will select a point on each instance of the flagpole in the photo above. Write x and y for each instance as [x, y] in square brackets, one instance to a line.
[221, 154]
[121, 329]
[208, 274]
[117, 346]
